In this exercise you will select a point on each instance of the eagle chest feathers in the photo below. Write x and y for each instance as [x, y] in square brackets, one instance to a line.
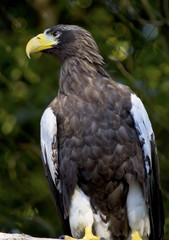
[98, 146]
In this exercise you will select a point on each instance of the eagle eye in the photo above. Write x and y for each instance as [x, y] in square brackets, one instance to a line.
[56, 34]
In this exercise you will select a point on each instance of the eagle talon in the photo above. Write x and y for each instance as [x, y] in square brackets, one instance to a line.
[88, 236]
[135, 236]
[102, 238]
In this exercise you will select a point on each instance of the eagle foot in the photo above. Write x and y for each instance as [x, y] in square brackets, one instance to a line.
[135, 235]
[88, 236]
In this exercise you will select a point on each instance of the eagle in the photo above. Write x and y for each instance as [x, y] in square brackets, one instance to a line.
[98, 146]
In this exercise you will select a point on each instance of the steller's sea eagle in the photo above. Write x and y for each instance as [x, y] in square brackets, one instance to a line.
[98, 146]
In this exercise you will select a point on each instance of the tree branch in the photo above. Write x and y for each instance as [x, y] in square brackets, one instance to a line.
[18, 236]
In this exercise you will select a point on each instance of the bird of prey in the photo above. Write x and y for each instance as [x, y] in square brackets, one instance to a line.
[98, 146]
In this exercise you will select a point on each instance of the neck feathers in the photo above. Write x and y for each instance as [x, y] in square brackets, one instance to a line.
[76, 73]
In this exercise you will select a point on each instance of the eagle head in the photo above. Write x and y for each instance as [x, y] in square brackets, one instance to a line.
[65, 41]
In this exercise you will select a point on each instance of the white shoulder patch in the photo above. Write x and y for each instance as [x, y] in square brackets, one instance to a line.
[48, 135]
[144, 128]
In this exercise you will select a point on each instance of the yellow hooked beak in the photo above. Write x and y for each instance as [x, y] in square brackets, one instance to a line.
[39, 43]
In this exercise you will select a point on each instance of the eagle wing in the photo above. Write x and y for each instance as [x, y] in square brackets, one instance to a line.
[151, 187]
[49, 151]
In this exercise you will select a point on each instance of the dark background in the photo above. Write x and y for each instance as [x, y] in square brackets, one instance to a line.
[133, 38]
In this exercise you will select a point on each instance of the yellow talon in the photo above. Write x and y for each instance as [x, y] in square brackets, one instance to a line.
[135, 236]
[88, 236]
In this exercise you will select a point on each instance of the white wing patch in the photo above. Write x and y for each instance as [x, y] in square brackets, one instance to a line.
[48, 135]
[144, 128]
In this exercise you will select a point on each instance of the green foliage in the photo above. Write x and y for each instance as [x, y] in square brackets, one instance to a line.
[133, 39]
